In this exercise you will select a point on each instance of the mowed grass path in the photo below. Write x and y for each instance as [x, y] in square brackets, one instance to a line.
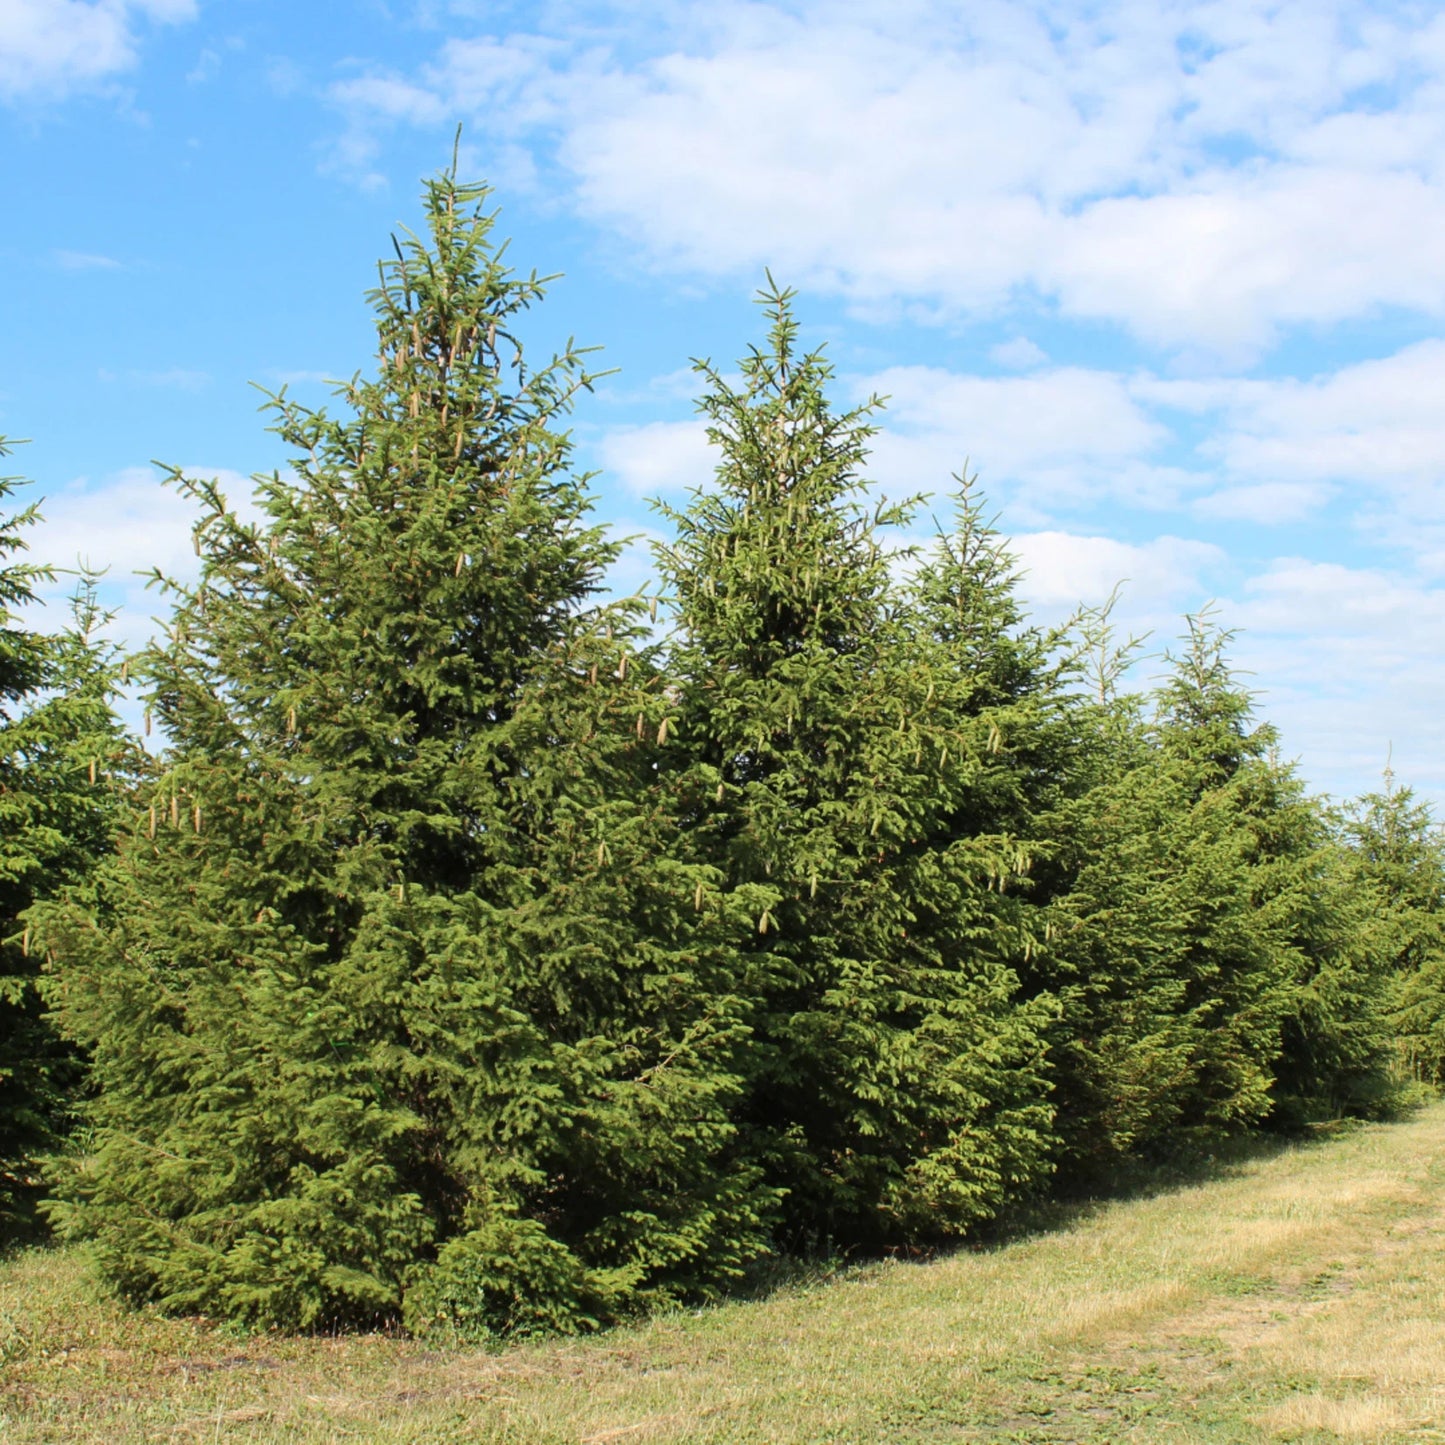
[1298, 1297]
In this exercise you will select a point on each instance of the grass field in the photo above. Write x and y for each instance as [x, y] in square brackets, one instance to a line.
[1299, 1296]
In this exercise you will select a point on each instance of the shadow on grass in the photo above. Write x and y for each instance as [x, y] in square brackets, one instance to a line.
[1082, 1194]
[21, 1225]
[1077, 1198]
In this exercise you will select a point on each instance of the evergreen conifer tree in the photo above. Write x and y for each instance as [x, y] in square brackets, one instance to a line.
[1399, 854]
[895, 1085]
[1126, 856]
[1206, 939]
[1336, 1053]
[1236, 968]
[64, 762]
[402, 1001]
[1286, 997]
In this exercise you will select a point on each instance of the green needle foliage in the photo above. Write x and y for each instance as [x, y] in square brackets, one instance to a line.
[1233, 961]
[1128, 855]
[894, 1083]
[1399, 854]
[1213, 951]
[1336, 1057]
[1283, 986]
[64, 765]
[470, 958]
[400, 1001]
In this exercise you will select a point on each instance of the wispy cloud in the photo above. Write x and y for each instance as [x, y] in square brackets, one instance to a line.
[176, 378]
[1205, 174]
[51, 47]
[304, 378]
[284, 76]
[662, 458]
[206, 68]
[1371, 430]
[85, 261]
[1061, 569]
[1020, 354]
[1266, 503]
[1348, 658]
[1057, 440]
[124, 525]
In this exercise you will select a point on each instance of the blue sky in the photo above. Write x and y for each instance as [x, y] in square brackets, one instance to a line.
[1167, 274]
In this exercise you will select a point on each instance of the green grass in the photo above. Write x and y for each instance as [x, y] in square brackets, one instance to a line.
[1299, 1297]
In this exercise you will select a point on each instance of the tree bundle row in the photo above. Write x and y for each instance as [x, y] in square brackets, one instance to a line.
[482, 953]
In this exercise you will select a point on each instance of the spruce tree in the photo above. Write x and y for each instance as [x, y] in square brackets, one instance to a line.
[29, 1095]
[1399, 855]
[1336, 1056]
[1015, 733]
[401, 1002]
[1124, 861]
[1206, 942]
[1010, 685]
[1286, 996]
[894, 1086]
[64, 762]
[1236, 964]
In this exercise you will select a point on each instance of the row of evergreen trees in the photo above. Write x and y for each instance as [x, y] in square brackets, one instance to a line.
[481, 952]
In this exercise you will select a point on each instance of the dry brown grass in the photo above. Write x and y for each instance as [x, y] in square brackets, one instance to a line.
[1361, 1417]
[1300, 1297]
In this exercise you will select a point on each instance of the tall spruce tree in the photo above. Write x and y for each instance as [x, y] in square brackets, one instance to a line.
[1336, 1056]
[1015, 734]
[1124, 861]
[1127, 856]
[1286, 995]
[1236, 971]
[64, 762]
[1009, 685]
[1399, 854]
[1212, 950]
[1171, 995]
[30, 1095]
[894, 1088]
[402, 1000]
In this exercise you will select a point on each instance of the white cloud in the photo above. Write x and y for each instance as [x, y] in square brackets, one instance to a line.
[124, 526]
[206, 68]
[1268, 503]
[1344, 660]
[662, 458]
[1350, 665]
[85, 261]
[391, 98]
[1204, 173]
[1373, 430]
[1370, 434]
[174, 378]
[681, 384]
[1062, 569]
[1064, 438]
[284, 76]
[1393, 616]
[1069, 414]
[1225, 261]
[485, 79]
[49, 47]
[128, 523]
[1020, 354]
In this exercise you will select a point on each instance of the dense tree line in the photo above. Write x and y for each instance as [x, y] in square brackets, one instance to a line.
[480, 951]
[67, 772]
